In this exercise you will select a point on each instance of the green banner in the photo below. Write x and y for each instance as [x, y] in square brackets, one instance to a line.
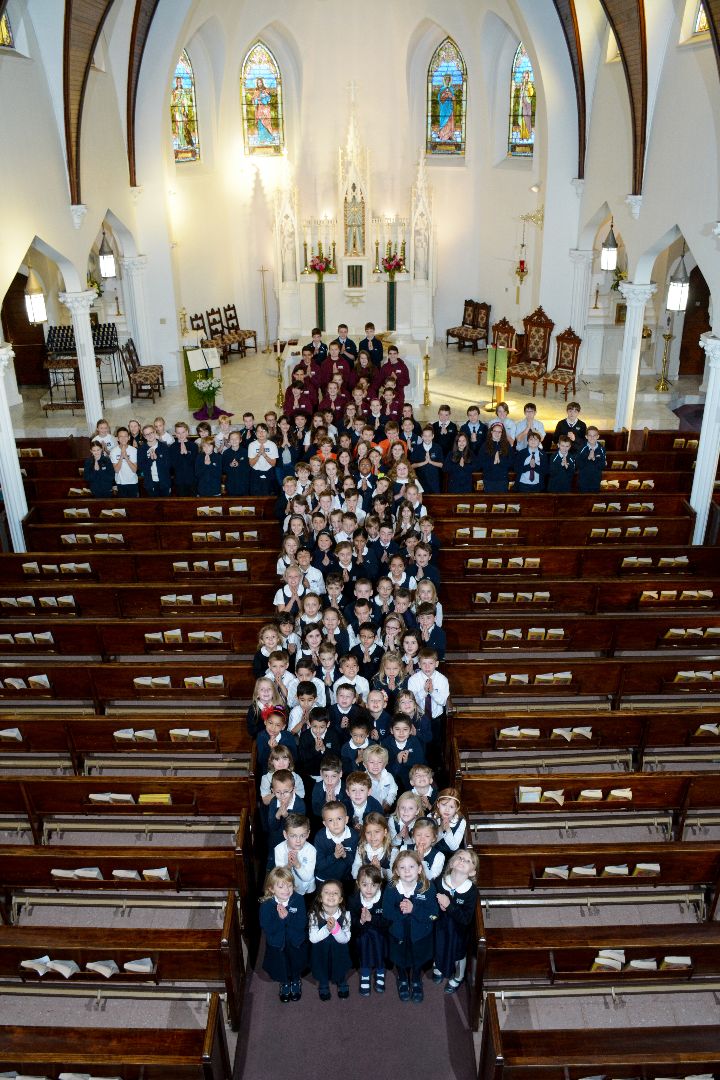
[497, 366]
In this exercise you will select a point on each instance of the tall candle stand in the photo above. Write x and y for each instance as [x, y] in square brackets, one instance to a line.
[263, 270]
[662, 385]
[280, 399]
[377, 269]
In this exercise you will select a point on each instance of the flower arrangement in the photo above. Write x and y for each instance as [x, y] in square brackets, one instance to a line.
[393, 264]
[618, 276]
[321, 265]
[92, 283]
[208, 390]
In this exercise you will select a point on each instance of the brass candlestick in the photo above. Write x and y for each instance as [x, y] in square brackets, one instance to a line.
[279, 400]
[426, 398]
[662, 385]
[597, 294]
[377, 257]
[306, 268]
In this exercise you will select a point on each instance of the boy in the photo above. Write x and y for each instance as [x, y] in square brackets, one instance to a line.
[445, 430]
[562, 468]
[317, 346]
[529, 423]
[274, 734]
[530, 466]
[395, 368]
[329, 789]
[358, 799]
[284, 801]
[379, 716]
[573, 427]
[385, 546]
[248, 428]
[284, 500]
[402, 599]
[433, 636]
[182, 460]
[348, 348]
[314, 744]
[208, 469]
[335, 845]
[431, 691]
[423, 570]
[371, 345]
[367, 652]
[297, 853]
[350, 676]
[423, 785]
[345, 709]
[306, 699]
[235, 466]
[428, 459]
[351, 754]
[404, 751]
[590, 461]
[312, 578]
[153, 463]
[383, 786]
[427, 524]
[123, 458]
[277, 670]
[474, 428]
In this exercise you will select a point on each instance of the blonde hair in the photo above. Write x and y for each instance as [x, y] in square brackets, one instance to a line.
[375, 752]
[475, 861]
[409, 796]
[264, 629]
[393, 657]
[278, 873]
[281, 751]
[276, 699]
[422, 876]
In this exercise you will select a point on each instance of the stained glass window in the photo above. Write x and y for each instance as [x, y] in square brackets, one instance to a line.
[186, 141]
[521, 136]
[6, 34]
[701, 21]
[446, 100]
[262, 104]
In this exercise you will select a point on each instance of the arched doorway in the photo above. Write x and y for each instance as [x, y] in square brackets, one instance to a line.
[697, 322]
[27, 340]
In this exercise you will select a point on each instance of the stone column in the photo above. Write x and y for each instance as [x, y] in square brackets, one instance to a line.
[78, 304]
[13, 491]
[709, 446]
[582, 260]
[12, 393]
[133, 274]
[636, 297]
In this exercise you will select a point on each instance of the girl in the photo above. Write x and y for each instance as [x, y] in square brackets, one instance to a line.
[263, 457]
[459, 466]
[410, 905]
[222, 437]
[98, 472]
[265, 700]
[407, 812]
[297, 527]
[268, 641]
[399, 576]
[288, 551]
[392, 631]
[280, 758]
[334, 630]
[383, 599]
[495, 459]
[503, 413]
[390, 678]
[450, 819]
[426, 593]
[289, 596]
[289, 640]
[329, 925]
[400, 476]
[406, 704]
[136, 435]
[323, 558]
[286, 443]
[425, 843]
[374, 846]
[104, 436]
[284, 922]
[405, 524]
[312, 639]
[310, 612]
[203, 431]
[411, 644]
[369, 928]
[208, 470]
[457, 897]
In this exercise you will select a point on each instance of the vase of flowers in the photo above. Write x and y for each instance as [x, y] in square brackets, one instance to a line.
[392, 265]
[208, 388]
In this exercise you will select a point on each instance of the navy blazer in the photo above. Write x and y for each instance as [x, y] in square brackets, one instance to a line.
[428, 475]
[183, 465]
[375, 350]
[518, 466]
[419, 923]
[281, 932]
[327, 866]
[102, 480]
[162, 460]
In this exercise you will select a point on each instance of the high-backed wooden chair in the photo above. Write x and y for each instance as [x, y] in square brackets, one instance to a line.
[533, 360]
[474, 327]
[197, 323]
[144, 381]
[503, 336]
[232, 326]
[150, 370]
[216, 333]
[566, 358]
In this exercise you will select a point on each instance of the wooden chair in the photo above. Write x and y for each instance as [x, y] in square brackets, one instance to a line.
[146, 369]
[532, 361]
[143, 383]
[504, 336]
[563, 374]
[474, 327]
[216, 334]
[232, 326]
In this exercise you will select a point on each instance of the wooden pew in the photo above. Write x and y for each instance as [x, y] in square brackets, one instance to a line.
[669, 440]
[137, 1053]
[210, 958]
[238, 510]
[643, 482]
[54, 448]
[113, 567]
[136, 600]
[146, 536]
[530, 531]
[570, 1054]
[501, 509]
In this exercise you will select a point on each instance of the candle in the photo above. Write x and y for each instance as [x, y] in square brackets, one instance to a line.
[277, 346]
[427, 346]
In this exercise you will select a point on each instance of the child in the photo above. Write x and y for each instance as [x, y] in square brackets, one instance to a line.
[265, 700]
[369, 928]
[374, 847]
[358, 800]
[273, 735]
[296, 853]
[404, 750]
[289, 596]
[407, 812]
[457, 897]
[335, 845]
[422, 780]
[280, 758]
[591, 461]
[573, 427]
[288, 551]
[235, 466]
[283, 920]
[329, 789]
[310, 612]
[289, 640]
[329, 930]
[411, 644]
[390, 679]
[208, 471]
[104, 436]
[284, 802]
[383, 787]
[425, 843]
[300, 713]
[431, 691]
[530, 466]
[411, 907]
[351, 754]
[426, 593]
[268, 642]
[314, 743]
[378, 714]
[561, 468]
[451, 821]
[183, 454]
[98, 472]
[432, 636]
[344, 710]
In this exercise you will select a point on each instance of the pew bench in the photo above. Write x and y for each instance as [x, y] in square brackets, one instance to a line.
[174, 509]
[585, 531]
[511, 507]
[645, 482]
[137, 1054]
[211, 959]
[120, 567]
[479, 562]
[571, 1054]
[82, 537]
[162, 601]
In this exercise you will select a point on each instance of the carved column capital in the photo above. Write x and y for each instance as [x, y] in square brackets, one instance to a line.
[78, 303]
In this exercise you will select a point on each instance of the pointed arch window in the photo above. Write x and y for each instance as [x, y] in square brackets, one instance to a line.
[262, 102]
[521, 135]
[446, 100]
[183, 112]
[6, 34]
[701, 25]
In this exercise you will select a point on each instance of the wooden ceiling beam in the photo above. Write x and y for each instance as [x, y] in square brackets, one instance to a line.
[627, 19]
[568, 21]
[142, 21]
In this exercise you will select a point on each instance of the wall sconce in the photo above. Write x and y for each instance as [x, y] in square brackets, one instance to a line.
[106, 259]
[679, 286]
[609, 250]
[34, 299]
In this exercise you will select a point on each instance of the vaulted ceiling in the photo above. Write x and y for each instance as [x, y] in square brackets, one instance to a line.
[84, 20]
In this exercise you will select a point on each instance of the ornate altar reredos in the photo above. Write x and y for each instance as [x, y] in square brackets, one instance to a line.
[355, 241]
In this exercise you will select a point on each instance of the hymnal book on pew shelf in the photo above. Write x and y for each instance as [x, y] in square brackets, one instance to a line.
[590, 795]
[704, 729]
[126, 875]
[30, 568]
[181, 567]
[516, 732]
[554, 796]
[505, 597]
[675, 963]
[154, 638]
[194, 682]
[15, 684]
[111, 797]
[160, 873]
[155, 799]
[240, 511]
[201, 567]
[643, 965]
[39, 964]
[143, 966]
[10, 734]
[556, 872]
[518, 678]
[609, 960]
[618, 870]
[529, 794]
[583, 871]
[66, 968]
[172, 637]
[239, 566]
[620, 794]
[103, 967]
[513, 634]
[209, 511]
[646, 869]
